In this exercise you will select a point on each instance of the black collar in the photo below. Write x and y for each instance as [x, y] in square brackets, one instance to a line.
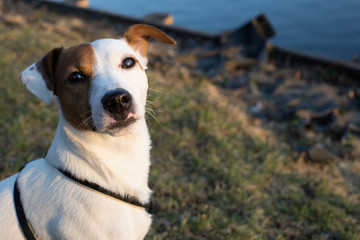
[24, 223]
[95, 187]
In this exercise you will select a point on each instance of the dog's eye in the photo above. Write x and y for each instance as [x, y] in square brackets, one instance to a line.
[76, 77]
[128, 62]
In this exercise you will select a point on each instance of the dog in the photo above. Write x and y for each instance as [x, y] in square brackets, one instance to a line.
[93, 182]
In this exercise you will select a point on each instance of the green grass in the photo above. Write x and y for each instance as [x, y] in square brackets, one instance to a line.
[212, 180]
[213, 175]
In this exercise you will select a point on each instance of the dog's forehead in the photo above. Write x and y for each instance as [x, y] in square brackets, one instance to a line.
[80, 56]
[110, 52]
[110, 48]
[79, 52]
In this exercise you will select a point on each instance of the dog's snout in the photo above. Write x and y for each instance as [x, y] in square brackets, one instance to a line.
[117, 101]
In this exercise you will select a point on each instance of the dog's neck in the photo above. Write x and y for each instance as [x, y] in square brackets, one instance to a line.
[119, 164]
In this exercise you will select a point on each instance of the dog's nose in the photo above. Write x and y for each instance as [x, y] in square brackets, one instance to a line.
[117, 101]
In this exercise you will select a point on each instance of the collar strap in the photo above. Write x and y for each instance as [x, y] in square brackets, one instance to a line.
[23, 222]
[127, 199]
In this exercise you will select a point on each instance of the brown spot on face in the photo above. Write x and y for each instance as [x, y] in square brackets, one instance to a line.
[47, 66]
[56, 67]
[74, 96]
[32, 68]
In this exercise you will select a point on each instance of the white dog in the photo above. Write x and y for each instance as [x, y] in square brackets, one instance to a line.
[92, 184]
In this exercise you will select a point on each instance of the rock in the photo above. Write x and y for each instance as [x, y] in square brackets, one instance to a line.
[355, 153]
[294, 103]
[322, 91]
[328, 106]
[281, 114]
[239, 82]
[271, 85]
[237, 64]
[305, 105]
[78, 3]
[338, 131]
[261, 79]
[352, 117]
[354, 97]
[354, 129]
[319, 154]
[300, 149]
[291, 88]
[355, 59]
[209, 63]
[255, 109]
[323, 118]
[301, 127]
[184, 73]
[303, 114]
[187, 60]
[232, 52]
[14, 20]
[163, 18]
[349, 175]
[351, 94]
[267, 67]
[254, 90]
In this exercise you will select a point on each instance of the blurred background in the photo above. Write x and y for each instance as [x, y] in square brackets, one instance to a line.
[321, 27]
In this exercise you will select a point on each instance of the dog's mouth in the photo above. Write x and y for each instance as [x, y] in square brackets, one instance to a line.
[121, 124]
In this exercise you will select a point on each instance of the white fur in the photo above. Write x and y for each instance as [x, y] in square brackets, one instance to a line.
[33, 80]
[58, 208]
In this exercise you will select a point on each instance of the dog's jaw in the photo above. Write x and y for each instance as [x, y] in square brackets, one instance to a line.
[122, 163]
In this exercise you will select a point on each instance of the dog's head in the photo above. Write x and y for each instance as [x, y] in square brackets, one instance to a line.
[100, 86]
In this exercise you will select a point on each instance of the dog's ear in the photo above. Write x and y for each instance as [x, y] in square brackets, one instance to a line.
[138, 36]
[39, 77]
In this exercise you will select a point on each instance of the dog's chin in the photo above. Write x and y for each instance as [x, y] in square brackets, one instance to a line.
[119, 128]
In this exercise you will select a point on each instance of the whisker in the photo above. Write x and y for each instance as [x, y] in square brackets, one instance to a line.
[87, 122]
[152, 115]
[149, 110]
[150, 104]
[85, 113]
[155, 90]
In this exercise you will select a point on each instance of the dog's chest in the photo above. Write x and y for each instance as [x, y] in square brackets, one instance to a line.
[69, 211]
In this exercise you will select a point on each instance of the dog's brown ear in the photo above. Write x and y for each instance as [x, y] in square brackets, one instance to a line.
[39, 77]
[138, 36]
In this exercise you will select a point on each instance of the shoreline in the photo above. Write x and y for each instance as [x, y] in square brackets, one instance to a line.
[189, 36]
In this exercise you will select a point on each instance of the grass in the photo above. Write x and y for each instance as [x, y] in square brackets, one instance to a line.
[214, 176]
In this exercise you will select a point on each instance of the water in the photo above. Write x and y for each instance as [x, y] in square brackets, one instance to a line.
[329, 28]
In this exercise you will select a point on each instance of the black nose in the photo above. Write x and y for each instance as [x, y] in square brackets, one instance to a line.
[117, 101]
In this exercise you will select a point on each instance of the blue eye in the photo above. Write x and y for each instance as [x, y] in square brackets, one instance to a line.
[128, 62]
[76, 77]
